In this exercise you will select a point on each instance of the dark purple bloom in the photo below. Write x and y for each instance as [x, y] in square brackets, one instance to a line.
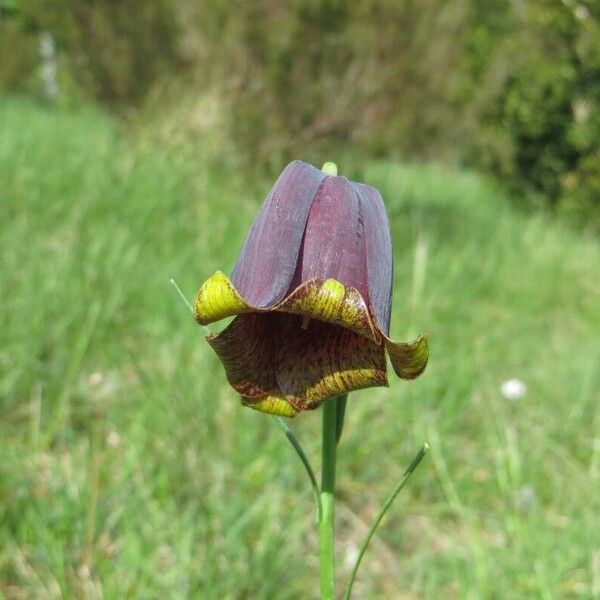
[312, 292]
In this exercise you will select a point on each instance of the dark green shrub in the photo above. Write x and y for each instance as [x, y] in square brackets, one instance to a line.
[538, 117]
[19, 53]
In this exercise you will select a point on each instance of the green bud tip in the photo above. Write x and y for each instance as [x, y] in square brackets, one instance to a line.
[330, 168]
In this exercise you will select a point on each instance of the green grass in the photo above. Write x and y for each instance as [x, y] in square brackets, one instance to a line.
[129, 470]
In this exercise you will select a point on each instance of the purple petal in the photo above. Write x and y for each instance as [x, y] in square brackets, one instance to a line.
[379, 254]
[267, 262]
[334, 240]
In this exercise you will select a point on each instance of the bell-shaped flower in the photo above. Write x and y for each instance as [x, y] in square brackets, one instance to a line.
[311, 294]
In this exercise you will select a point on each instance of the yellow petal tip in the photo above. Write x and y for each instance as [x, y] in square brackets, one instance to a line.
[332, 302]
[272, 405]
[408, 359]
[217, 299]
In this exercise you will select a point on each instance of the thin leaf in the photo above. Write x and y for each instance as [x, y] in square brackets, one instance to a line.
[289, 434]
[413, 465]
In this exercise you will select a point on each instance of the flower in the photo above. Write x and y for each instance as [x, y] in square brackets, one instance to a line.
[311, 294]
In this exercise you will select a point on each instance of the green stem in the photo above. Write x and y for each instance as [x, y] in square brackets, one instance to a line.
[326, 522]
[409, 471]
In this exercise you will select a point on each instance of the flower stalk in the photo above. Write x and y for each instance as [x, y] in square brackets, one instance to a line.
[327, 515]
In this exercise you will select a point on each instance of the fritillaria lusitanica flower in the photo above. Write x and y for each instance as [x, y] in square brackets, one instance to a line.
[311, 293]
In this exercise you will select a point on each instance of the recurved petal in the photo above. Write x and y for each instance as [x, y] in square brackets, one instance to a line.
[265, 267]
[328, 301]
[272, 405]
[324, 361]
[332, 302]
[379, 257]
[217, 299]
[408, 359]
[279, 367]
[246, 348]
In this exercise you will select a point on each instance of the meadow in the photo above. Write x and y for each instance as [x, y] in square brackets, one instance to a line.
[128, 468]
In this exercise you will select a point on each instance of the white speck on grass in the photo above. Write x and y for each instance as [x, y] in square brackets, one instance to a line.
[351, 556]
[513, 389]
[526, 499]
[113, 439]
[101, 385]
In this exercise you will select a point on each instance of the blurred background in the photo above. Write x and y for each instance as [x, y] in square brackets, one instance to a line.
[137, 141]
